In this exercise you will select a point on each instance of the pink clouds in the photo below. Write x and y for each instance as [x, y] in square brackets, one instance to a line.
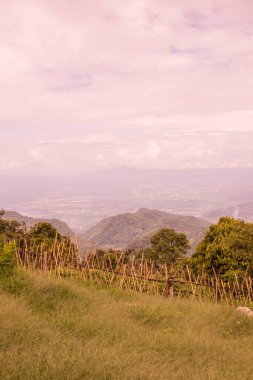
[111, 64]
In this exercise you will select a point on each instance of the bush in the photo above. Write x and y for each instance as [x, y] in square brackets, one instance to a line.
[8, 261]
[16, 284]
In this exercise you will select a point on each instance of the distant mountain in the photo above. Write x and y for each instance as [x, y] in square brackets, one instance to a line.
[62, 227]
[243, 211]
[133, 229]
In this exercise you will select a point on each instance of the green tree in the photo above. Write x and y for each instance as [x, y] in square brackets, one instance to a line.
[167, 246]
[227, 248]
[10, 229]
[43, 233]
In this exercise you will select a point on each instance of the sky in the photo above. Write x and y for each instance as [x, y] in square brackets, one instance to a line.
[91, 85]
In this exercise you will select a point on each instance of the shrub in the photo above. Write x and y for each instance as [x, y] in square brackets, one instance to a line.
[8, 262]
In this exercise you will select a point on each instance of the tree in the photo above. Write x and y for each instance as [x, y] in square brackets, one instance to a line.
[168, 245]
[10, 229]
[45, 234]
[147, 253]
[226, 249]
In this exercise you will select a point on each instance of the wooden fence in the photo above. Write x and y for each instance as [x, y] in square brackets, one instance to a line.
[140, 276]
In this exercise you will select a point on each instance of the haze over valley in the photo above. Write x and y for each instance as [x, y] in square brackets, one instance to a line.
[84, 200]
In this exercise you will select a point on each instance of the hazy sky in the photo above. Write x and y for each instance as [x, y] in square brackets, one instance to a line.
[91, 84]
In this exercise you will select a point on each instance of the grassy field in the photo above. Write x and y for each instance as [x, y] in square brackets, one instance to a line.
[61, 329]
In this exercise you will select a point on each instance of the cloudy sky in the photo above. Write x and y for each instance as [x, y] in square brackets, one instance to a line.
[93, 84]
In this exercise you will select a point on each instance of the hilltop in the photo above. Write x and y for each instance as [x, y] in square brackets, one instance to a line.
[61, 226]
[133, 229]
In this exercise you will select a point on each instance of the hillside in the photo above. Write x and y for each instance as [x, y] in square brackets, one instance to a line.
[62, 227]
[133, 229]
[62, 329]
[242, 211]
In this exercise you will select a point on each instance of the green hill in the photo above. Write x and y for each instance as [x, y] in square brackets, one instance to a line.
[62, 227]
[61, 329]
[133, 229]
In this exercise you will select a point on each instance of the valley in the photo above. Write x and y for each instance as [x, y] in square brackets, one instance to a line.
[83, 201]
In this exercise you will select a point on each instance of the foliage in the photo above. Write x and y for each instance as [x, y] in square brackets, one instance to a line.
[167, 246]
[8, 262]
[226, 249]
[44, 234]
[42, 237]
[147, 254]
[11, 229]
[110, 257]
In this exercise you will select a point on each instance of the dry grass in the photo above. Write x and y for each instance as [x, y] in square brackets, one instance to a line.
[63, 329]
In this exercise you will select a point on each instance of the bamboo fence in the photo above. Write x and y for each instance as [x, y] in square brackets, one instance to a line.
[139, 276]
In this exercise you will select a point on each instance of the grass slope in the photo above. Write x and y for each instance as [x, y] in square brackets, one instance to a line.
[61, 329]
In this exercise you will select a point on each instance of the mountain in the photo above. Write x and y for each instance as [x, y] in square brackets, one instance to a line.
[133, 229]
[243, 211]
[62, 227]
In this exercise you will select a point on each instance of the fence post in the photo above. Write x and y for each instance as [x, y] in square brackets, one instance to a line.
[170, 283]
[170, 286]
[45, 262]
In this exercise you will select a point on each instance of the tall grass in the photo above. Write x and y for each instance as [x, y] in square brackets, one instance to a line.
[62, 329]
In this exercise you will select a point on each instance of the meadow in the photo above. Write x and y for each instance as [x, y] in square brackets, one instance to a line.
[53, 328]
